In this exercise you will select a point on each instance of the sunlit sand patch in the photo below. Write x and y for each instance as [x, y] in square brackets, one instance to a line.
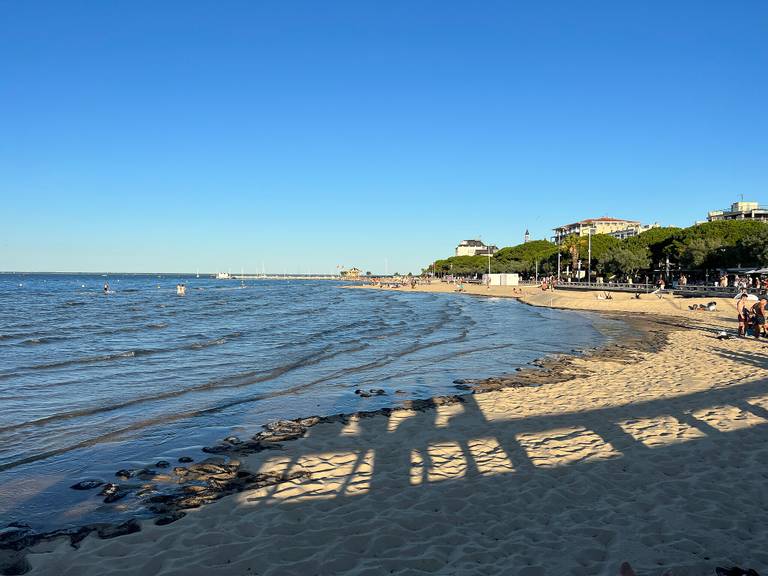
[491, 409]
[490, 458]
[397, 417]
[417, 468]
[360, 481]
[330, 472]
[443, 414]
[446, 461]
[728, 418]
[660, 431]
[351, 428]
[760, 401]
[565, 446]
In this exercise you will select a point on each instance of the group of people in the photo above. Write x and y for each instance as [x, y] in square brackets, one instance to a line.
[751, 315]
[549, 283]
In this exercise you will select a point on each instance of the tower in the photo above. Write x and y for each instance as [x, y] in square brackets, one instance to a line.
[526, 237]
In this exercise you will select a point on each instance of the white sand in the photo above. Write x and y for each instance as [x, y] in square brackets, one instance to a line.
[661, 461]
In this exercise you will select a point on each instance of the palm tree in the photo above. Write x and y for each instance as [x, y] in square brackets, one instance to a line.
[572, 245]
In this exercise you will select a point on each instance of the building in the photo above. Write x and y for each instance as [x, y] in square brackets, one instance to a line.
[604, 225]
[527, 237]
[740, 211]
[633, 231]
[501, 279]
[351, 274]
[474, 248]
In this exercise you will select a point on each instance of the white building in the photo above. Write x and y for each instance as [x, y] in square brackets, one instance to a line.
[740, 211]
[474, 248]
[611, 226]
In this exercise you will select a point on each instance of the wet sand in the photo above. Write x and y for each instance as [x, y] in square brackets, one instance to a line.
[652, 451]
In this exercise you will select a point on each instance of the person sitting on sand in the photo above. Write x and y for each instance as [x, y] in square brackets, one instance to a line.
[758, 316]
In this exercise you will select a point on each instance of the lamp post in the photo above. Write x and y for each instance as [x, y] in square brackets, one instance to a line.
[489, 269]
[589, 256]
[558, 257]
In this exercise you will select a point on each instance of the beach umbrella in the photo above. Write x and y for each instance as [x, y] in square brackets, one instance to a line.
[749, 296]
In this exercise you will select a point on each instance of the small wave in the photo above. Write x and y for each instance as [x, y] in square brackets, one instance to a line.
[75, 362]
[74, 303]
[158, 325]
[43, 340]
[116, 355]
[215, 342]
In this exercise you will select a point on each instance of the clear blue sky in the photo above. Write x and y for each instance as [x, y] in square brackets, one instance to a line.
[170, 136]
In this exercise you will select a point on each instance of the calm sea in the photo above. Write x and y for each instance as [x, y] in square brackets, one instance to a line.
[91, 383]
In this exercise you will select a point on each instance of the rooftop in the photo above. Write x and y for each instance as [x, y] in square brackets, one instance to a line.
[605, 219]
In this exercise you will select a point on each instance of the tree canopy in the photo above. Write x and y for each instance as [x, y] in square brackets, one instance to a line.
[707, 246]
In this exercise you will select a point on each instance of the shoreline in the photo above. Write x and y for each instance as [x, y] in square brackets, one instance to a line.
[221, 473]
[232, 473]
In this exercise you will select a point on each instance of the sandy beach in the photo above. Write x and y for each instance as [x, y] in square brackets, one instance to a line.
[653, 456]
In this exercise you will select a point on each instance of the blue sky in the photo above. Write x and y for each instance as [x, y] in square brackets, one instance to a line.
[171, 136]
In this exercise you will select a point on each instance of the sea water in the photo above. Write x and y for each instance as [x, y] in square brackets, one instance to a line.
[93, 382]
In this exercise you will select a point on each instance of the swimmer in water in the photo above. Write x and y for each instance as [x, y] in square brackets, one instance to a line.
[106, 288]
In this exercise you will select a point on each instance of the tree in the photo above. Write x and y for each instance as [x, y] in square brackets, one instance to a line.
[754, 248]
[620, 259]
[523, 258]
[696, 252]
[657, 240]
[601, 244]
[572, 246]
[713, 243]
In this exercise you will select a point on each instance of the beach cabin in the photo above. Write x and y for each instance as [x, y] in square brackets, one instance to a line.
[501, 279]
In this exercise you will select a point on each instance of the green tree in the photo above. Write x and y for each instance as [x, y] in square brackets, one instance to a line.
[696, 252]
[620, 259]
[754, 248]
[523, 258]
[572, 246]
[601, 244]
[657, 240]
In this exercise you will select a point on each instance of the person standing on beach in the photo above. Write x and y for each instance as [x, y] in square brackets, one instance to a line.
[743, 311]
[758, 314]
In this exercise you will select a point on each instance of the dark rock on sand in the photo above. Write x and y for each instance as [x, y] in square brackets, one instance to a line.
[112, 493]
[87, 485]
[244, 447]
[371, 392]
[16, 536]
[127, 527]
[142, 473]
[170, 518]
